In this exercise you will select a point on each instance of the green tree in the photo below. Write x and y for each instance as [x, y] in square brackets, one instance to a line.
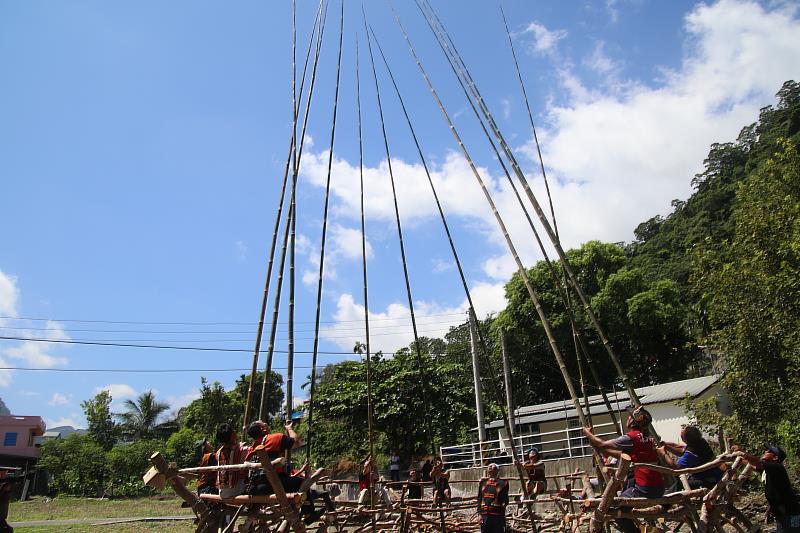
[76, 465]
[181, 447]
[125, 466]
[214, 407]
[141, 418]
[751, 290]
[101, 424]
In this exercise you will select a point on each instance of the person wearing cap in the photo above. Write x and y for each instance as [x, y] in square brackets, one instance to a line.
[641, 447]
[492, 501]
[207, 483]
[534, 468]
[784, 505]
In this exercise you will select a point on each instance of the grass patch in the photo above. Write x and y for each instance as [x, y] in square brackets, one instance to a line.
[161, 527]
[66, 508]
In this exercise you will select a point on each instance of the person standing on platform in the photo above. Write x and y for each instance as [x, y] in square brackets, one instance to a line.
[492, 501]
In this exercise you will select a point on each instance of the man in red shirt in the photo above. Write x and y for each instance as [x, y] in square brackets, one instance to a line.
[275, 444]
[641, 447]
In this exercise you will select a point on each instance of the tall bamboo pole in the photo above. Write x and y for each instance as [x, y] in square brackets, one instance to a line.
[260, 330]
[420, 366]
[322, 244]
[549, 230]
[265, 391]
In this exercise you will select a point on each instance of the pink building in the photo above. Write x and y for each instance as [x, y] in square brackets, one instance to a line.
[18, 434]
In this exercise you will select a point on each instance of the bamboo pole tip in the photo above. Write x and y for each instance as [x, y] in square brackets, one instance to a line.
[625, 457]
[155, 455]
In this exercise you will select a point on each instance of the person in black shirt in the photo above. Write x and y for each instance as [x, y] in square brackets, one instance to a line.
[414, 488]
[783, 502]
[426, 470]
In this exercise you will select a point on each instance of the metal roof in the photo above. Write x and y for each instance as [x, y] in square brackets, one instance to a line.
[648, 395]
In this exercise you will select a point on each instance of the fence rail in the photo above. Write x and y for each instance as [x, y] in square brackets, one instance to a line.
[571, 443]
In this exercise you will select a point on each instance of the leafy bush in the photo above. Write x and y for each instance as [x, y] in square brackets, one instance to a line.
[126, 464]
[76, 465]
[180, 448]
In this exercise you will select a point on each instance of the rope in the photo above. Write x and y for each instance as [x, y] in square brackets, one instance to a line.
[322, 244]
[420, 367]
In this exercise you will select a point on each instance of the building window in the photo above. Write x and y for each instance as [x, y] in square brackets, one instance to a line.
[10, 439]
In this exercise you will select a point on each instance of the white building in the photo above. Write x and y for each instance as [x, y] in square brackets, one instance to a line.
[555, 430]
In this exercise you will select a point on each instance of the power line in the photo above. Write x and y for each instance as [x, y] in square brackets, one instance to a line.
[182, 332]
[127, 370]
[166, 347]
[94, 321]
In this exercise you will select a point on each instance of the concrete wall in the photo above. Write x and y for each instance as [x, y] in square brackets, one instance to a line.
[22, 430]
[562, 466]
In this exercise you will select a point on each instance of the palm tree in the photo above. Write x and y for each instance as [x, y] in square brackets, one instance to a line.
[140, 418]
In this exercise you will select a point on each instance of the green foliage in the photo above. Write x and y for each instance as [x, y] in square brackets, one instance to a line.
[644, 319]
[126, 464]
[751, 288]
[141, 418]
[788, 433]
[101, 425]
[181, 447]
[216, 405]
[340, 407]
[76, 465]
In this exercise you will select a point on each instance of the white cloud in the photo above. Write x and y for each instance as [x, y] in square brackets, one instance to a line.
[118, 390]
[240, 251]
[599, 62]
[544, 40]
[391, 328]
[60, 399]
[505, 104]
[176, 402]
[618, 158]
[72, 420]
[346, 242]
[440, 265]
[9, 295]
[38, 354]
[30, 353]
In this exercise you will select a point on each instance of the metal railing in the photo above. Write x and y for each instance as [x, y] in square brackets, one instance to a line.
[571, 444]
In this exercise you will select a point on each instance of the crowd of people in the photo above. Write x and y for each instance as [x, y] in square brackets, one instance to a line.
[229, 483]
[493, 491]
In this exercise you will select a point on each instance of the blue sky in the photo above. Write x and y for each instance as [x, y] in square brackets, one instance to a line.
[142, 144]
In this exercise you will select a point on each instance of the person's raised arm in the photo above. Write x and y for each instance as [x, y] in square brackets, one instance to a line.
[605, 446]
[293, 435]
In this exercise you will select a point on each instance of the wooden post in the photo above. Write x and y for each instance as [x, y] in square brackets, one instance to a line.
[507, 382]
[203, 512]
[596, 522]
[288, 511]
[707, 510]
[476, 374]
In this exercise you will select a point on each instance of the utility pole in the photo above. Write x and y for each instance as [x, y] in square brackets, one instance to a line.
[476, 374]
[507, 382]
